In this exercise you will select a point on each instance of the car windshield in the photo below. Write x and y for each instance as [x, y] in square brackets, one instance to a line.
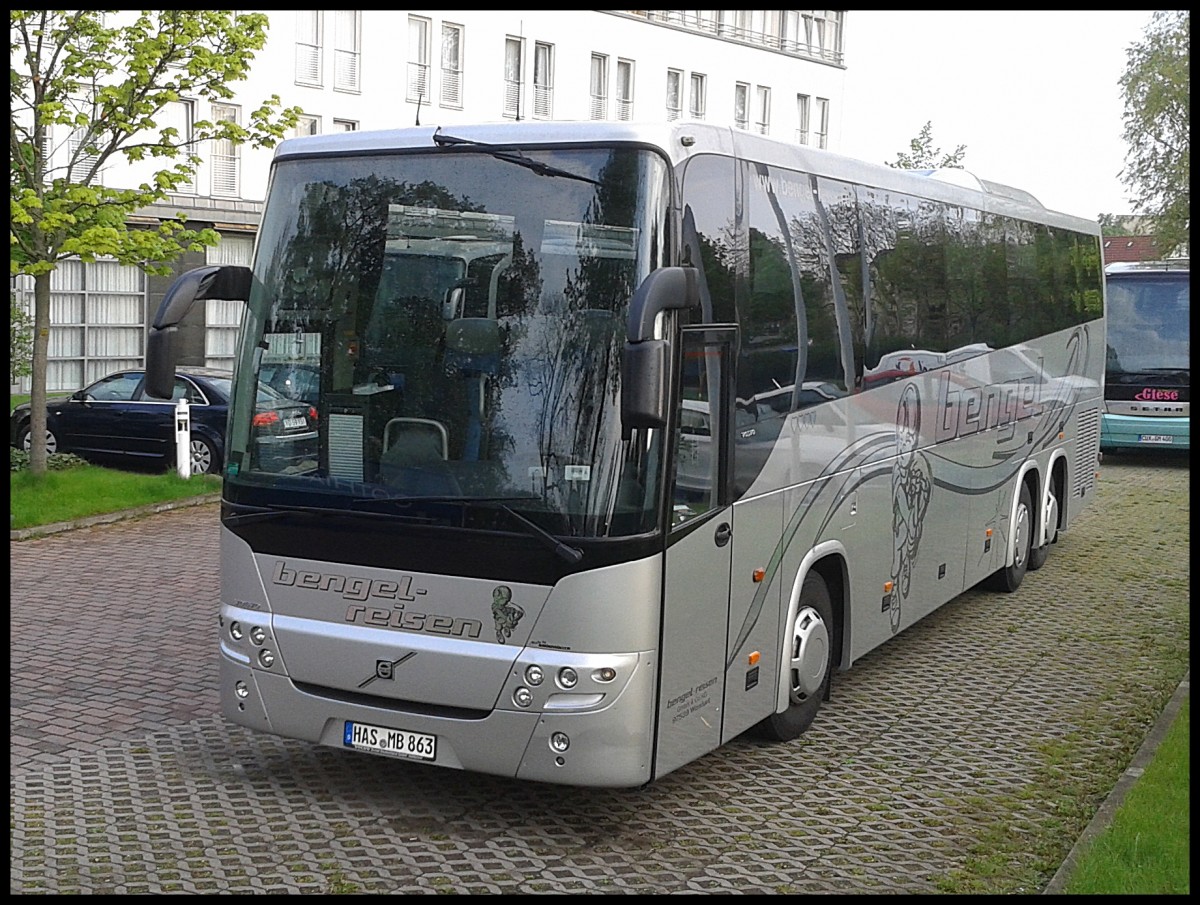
[462, 321]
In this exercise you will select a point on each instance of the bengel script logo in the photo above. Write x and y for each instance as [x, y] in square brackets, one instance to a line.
[363, 589]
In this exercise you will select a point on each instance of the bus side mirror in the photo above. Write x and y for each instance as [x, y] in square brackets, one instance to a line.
[229, 281]
[644, 384]
[644, 364]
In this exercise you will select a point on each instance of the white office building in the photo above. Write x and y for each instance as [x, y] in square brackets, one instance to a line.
[777, 72]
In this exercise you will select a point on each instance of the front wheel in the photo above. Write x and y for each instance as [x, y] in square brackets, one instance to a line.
[1008, 578]
[25, 440]
[810, 662]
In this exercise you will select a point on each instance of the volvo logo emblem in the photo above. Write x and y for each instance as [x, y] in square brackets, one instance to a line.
[386, 669]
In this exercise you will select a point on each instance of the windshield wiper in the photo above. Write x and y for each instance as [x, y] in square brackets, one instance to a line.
[248, 514]
[562, 551]
[519, 158]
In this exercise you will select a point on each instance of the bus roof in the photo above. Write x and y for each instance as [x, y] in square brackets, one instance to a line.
[683, 139]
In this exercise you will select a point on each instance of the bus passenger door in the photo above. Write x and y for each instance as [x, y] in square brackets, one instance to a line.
[696, 594]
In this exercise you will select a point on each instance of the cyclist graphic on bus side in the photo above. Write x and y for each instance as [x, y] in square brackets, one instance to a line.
[912, 484]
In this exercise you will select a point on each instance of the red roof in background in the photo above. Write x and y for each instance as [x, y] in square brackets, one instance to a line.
[1130, 248]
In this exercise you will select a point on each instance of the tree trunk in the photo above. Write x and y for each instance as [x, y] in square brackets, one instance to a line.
[37, 393]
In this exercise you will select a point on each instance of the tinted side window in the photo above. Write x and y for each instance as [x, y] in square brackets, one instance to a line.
[115, 388]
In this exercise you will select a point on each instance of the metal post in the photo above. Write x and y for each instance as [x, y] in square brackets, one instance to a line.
[183, 439]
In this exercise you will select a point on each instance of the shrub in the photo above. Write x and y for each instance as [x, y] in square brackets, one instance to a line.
[19, 460]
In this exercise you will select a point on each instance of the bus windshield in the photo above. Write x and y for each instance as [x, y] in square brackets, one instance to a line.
[461, 321]
[1148, 326]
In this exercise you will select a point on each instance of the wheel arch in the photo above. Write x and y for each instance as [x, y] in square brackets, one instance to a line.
[828, 560]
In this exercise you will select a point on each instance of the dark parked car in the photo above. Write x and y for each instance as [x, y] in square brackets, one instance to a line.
[113, 421]
[296, 380]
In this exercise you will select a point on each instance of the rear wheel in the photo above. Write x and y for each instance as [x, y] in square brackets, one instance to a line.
[205, 458]
[810, 662]
[1039, 555]
[1008, 578]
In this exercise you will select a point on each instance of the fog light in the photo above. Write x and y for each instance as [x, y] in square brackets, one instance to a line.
[235, 631]
[266, 658]
[567, 677]
[533, 675]
[522, 697]
[559, 742]
[607, 674]
[258, 634]
[240, 689]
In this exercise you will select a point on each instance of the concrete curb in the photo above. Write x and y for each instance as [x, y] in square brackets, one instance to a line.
[108, 517]
[1104, 816]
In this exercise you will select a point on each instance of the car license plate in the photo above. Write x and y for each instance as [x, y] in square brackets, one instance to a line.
[1155, 438]
[292, 423]
[392, 742]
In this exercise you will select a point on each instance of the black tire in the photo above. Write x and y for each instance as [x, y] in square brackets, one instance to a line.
[24, 439]
[1008, 578]
[205, 458]
[1039, 555]
[811, 639]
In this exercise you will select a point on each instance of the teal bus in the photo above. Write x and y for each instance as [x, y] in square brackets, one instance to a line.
[1147, 377]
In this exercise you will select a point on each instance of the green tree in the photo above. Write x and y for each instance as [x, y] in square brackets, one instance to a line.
[922, 155]
[107, 76]
[20, 353]
[1157, 124]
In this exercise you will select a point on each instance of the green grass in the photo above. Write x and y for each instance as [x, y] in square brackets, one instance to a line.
[1146, 849]
[59, 496]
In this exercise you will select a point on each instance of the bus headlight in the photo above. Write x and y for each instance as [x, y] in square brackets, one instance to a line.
[559, 742]
[258, 634]
[235, 630]
[567, 677]
[522, 697]
[534, 675]
[266, 658]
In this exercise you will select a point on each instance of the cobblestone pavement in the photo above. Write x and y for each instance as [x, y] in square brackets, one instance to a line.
[965, 755]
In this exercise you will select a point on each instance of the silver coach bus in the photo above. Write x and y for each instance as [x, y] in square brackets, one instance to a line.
[630, 436]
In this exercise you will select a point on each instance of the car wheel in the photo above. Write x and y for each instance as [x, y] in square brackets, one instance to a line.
[25, 440]
[1008, 578]
[1039, 555]
[810, 662]
[205, 458]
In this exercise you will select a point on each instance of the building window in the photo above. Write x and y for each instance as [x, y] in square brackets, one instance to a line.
[823, 33]
[762, 111]
[222, 317]
[822, 122]
[347, 33]
[81, 159]
[308, 47]
[741, 105]
[674, 94]
[180, 115]
[696, 101]
[307, 125]
[513, 52]
[418, 60]
[543, 80]
[345, 125]
[452, 65]
[802, 114]
[625, 89]
[97, 320]
[599, 86]
[226, 171]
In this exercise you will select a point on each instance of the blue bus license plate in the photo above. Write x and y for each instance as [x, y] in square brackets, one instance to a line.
[1155, 438]
[391, 742]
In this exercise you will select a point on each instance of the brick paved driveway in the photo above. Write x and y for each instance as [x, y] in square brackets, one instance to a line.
[993, 728]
